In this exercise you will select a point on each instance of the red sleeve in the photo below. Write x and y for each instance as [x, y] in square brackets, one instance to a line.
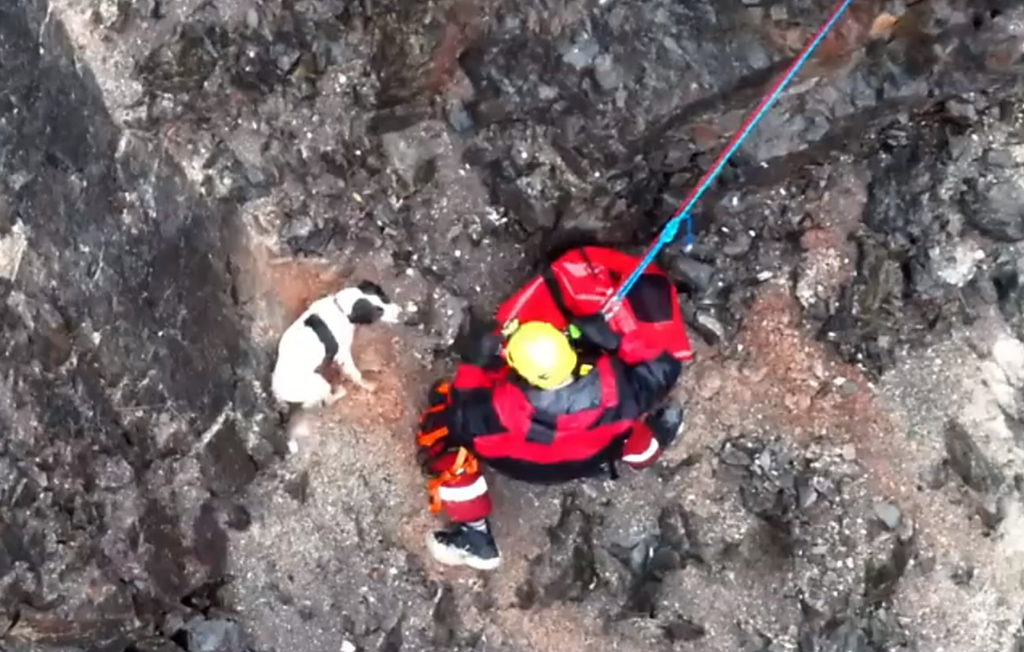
[641, 448]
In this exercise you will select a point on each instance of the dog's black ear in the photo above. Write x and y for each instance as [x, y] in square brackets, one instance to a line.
[365, 311]
[370, 288]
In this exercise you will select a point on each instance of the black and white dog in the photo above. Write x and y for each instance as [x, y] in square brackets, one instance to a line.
[324, 333]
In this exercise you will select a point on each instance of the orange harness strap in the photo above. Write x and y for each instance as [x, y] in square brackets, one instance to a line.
[464, 464]
[428, 439]
[444, 390]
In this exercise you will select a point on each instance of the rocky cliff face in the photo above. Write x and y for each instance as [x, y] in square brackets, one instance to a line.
[179, 178]
[131, 404]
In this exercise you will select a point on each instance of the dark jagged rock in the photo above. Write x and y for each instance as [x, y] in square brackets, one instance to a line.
[447, 622]
[992, 204]
[868, 632]
[882, 577]
[681, 628]
[227, 466]
[567, 571]
[216, 635]
[239, 517]
[750, 639]
[298, 487]
[968, 461]
[1007, 291]
[394, 639]
[654, 559]
[692, 274]
[768, 482]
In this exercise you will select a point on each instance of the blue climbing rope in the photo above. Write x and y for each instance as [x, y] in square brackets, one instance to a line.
[671, 229]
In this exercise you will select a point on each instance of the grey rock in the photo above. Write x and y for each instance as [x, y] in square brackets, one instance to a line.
[691, 273]
[999, 158]
[779, 12]
[218, 635]
[993, 206]
[739, 245]
[681, 628]
[847, 388]
[445, 315]
[937, 476]
[227, 466]
[991, 510]
[962, 575]
[735, 456]
[581, 54]
[968, 461]
[566, 571]
[458, 116]
[959, 108]
[607, 74]
[889, 515]
[409, 151]
[704, 322]
[849, 452]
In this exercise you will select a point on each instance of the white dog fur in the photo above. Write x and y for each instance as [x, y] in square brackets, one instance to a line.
[301, 350]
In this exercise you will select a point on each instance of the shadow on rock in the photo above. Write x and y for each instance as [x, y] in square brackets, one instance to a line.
[773, 486]
[983, 482]
[567, 570]
[652, 560]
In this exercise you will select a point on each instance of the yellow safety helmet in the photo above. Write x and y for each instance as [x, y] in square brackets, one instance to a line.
[541, 354]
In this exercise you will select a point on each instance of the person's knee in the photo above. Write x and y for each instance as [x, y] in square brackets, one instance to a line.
[437, 460]
[466, 498]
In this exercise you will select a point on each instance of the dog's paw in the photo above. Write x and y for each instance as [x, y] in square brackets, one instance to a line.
[338, 393]
[368, 385]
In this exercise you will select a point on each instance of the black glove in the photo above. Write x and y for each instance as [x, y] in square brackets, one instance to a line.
[594, 331]
[477, 344]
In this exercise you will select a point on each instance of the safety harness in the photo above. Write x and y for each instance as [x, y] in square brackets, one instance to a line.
[465, 463]
[324, 335]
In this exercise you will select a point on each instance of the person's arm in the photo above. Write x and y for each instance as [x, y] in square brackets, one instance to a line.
[642, 449]
[464, 412]
[593, 332]
[478, 343]
[652, 380]
[643, 386]
[471, 411]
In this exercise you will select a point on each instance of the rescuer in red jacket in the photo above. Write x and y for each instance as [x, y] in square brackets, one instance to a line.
[559, 397]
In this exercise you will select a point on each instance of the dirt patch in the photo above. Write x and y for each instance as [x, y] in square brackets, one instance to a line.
[784, 381]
